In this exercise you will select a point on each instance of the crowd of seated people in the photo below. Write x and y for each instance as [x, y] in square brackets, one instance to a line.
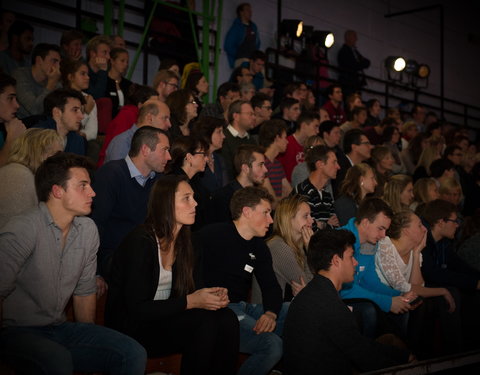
[172, 206]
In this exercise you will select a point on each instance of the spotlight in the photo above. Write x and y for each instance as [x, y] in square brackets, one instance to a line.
[411, 67]
[395, 63]
[292, 28]
[323, 38]
[423, 71]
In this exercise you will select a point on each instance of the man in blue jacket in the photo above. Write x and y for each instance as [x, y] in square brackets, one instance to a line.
[369, 227]
[242, 38]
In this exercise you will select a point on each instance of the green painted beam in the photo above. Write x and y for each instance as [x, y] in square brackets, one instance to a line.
[107, 17]
[121, 18]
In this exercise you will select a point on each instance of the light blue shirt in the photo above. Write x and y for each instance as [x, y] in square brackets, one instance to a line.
[120, 145]
[135, 173]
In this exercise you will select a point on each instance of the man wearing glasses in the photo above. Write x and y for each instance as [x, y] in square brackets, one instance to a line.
[442, 267]
[165, 82]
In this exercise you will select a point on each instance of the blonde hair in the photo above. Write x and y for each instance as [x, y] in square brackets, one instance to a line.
[393, 189]
[420, 189]
[429, 154]
[93, 44]
[33, 147]
[449, 184]
[286, 210]
[351, 184]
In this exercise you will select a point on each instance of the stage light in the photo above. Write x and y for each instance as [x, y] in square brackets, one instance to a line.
[411, 66]
[395, 63]
[323, 38]
[423, 71]
[292, 28]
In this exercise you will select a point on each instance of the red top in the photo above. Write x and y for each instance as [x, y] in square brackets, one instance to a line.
[292, 156]
[123, 121]
[337, 115]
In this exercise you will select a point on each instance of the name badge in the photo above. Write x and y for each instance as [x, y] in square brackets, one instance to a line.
[248, 268]
[113, 93]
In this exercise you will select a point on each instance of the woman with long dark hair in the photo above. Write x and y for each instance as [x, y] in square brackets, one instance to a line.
[155, 288]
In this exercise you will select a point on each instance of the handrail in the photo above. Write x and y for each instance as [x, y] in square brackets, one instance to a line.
[465, 114]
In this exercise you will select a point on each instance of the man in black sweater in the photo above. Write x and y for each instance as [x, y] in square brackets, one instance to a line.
[321, 335]
[232, 253]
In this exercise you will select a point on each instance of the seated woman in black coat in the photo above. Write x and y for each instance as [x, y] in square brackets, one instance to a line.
[155, 293]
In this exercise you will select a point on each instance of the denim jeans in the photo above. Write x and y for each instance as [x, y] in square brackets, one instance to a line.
[68, 347]
[266, 348]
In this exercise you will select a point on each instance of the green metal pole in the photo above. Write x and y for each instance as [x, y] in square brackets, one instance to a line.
[142, 41]
[194, 34]
[205, 41]
[217, 47]
[121, 17]
[107, 17]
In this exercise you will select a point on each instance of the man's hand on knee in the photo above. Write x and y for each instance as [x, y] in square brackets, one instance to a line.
[266, 323]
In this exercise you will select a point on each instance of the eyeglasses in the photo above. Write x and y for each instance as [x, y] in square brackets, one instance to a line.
[267, 107]
[192, 102]
[199, 153]
[365, 143]
[456, 221]
[171, 84]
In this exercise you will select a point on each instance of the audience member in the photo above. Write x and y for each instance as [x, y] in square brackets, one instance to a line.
[391, 139]
[398, 260]
[418, 117]
[323, 166]
[334, 104]
[123, 187]
[7, 18]
[357, 149]
[20, 45]
[398, 192]
[409, 131]
[233, 253]
[152, 113]
[292, 229]
[116, 41]
[429, 154]
[262, 106]
[441, 266]
[256, 65]
[359, 181]
[198, 86]
[358, 118]
[241, 119]
[369, 226]
[300, 173]
[289, 113]
[36, 82]
[98, 58]
[424, 191]
[441, 169]
[10, 126]
[450, 190]
[183, 109]
[242, 38]
[210, 129]
[373, 113]
[117, 84]
[273, 137]
[17, 192]
[249, 163]
[48, 255]
[63, 108]
[308, 124]
[320, 331]
[382, 161]
[468, 247]
[127, 116]
[241, 75]
[71, 45]
[165, 82]
[247, 91]
[410, 153]
[227, 93]
[156, 288]
[75, 77]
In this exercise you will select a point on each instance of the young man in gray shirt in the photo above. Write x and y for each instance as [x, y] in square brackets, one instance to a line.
[47, 255]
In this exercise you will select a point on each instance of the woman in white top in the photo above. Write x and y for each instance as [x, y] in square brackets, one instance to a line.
[75, 76]
[398, 263]
[155, 292]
